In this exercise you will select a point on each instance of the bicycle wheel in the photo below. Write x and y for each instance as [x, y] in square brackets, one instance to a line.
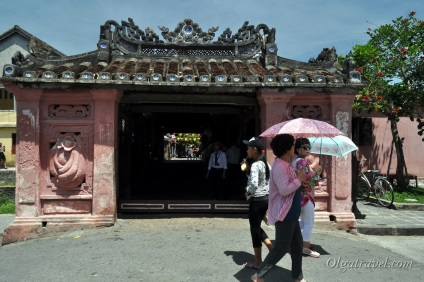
[363, 188]
[384, 192]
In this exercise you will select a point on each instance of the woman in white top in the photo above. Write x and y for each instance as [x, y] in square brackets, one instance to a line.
[257, 190]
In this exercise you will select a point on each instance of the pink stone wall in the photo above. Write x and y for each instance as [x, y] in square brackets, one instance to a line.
[378, 153]
[333, 195]
[65, 160]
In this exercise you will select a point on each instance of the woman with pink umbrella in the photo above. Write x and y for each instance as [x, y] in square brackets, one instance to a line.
[284, 209]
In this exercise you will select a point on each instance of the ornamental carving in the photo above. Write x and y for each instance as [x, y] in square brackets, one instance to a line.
[188, 32]
[312, 112]
[129, 38]
[129, 31]
[69, 111]
[67, 163]
[248, 33]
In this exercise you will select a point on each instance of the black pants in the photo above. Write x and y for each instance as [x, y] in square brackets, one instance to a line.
[217, 184]
[257, 211]
[287, 237]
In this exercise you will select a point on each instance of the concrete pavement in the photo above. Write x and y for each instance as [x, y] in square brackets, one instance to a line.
[384, 221]
[195, 249]
[378, 221]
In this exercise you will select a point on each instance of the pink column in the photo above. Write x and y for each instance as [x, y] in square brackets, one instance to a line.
[273, 110]
[340, 183]
[105, 138]
[27, 164]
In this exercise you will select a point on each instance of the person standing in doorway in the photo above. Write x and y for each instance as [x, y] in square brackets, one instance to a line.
[217, 168]
[233, 173]
[302, 149]
[284, 209]
[2, 155]
[257, 190]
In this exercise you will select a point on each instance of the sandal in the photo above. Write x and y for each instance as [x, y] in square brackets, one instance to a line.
[250, 265]
[255, 278]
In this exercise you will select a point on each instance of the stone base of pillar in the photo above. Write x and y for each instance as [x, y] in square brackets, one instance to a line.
[341, 220]
[46, 226]
[344, 220]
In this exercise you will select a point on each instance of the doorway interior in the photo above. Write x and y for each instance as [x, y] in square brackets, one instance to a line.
[146, 173]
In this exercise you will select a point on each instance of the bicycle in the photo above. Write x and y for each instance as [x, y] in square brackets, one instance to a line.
[379, 186]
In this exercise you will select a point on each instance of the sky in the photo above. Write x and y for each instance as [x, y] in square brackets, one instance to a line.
[303, 27]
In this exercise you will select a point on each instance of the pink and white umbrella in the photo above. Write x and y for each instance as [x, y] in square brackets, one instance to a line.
[337, 146]
[302, 127]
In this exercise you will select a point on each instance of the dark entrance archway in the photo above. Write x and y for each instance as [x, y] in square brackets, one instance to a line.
[150, 180]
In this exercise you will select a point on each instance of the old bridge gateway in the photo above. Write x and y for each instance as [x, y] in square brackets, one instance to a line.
[91, 127]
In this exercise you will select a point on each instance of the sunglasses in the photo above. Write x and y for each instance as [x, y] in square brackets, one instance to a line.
[306, 147]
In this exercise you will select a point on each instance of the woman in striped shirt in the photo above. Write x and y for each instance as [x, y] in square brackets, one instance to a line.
[284, 209]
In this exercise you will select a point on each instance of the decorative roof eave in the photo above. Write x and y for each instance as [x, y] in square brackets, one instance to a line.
[180, 72]
[228, 86]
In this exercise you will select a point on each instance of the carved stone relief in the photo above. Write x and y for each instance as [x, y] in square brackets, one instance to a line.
[312, 112]
[69, 111]
[67, 163]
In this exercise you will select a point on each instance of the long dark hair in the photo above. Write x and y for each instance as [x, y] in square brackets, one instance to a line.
[262, 158]
[299, 143]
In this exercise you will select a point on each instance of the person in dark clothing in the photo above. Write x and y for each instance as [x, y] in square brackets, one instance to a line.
[257, 190]
[284, 209]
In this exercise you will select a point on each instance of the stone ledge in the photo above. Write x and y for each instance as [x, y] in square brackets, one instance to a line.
[400, 206]
[400, 230]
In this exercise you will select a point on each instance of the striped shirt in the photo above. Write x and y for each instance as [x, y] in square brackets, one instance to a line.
[283, 184]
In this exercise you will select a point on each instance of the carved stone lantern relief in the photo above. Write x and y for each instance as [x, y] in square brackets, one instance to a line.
[67, 164]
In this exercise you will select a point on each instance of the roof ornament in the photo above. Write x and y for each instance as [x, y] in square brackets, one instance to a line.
[348, 65]
[128, 31]
[326, 55]
[19, 59]
[188, 31]
[38, 48]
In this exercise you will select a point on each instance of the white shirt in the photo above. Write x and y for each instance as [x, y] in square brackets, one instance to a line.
[221, 160]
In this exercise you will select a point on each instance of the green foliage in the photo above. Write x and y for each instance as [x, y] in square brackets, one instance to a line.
[392, 63]
[7, 183]
[412, 193]
[6, 205]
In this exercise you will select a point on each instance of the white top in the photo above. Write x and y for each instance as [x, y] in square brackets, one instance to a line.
[257, 184]
[218, 162]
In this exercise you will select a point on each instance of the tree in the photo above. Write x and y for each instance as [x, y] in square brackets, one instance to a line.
[392, 63]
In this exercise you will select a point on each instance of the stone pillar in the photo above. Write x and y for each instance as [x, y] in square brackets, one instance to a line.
[42, 207]
[340, 182]
[105, 138]
[273, 110]
[27, 164]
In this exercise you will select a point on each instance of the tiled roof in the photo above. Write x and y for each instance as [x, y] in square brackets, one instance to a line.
[130, 56]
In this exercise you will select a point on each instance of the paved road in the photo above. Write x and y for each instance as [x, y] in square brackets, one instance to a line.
[197, 249]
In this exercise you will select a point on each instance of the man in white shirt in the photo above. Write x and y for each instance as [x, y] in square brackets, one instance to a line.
[217, 168]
